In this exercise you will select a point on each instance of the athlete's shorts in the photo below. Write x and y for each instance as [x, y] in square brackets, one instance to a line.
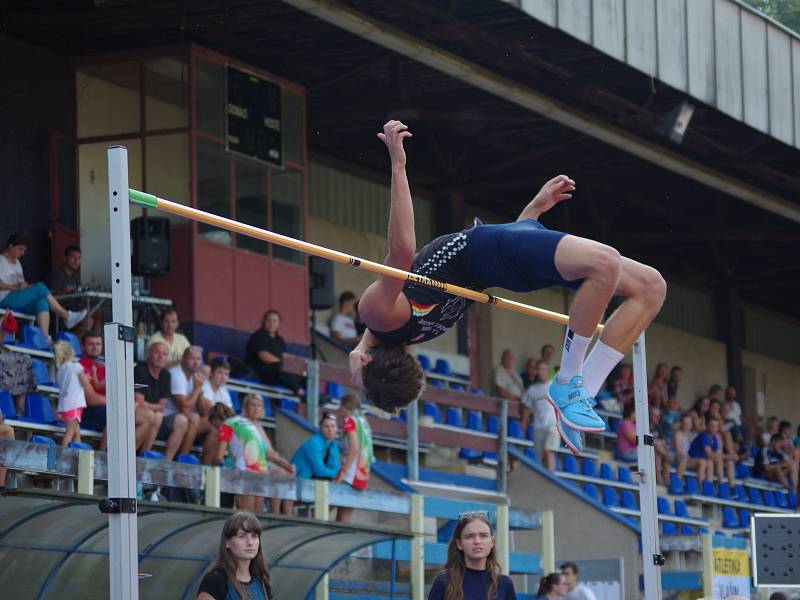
[517, 256]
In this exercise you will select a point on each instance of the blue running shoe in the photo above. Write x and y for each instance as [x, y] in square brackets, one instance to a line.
[573, 405]
[572, 438]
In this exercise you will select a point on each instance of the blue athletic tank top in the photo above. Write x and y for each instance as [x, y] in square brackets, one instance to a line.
[433, 311]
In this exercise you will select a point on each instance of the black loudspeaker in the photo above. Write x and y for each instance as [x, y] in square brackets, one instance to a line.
[321, 283]
[150, 245]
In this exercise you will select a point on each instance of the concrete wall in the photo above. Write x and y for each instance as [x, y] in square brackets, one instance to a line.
[778, 382]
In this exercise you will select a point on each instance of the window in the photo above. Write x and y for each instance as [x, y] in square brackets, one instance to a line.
[108, 99]
[251, 201]
[210, 97]
[213, 187]
[166, 86]
[287, 210]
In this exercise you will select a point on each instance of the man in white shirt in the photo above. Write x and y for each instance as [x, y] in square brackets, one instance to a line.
[507, 382]
[577, 591]
[187, 381]
[214, 389]
[343, 326]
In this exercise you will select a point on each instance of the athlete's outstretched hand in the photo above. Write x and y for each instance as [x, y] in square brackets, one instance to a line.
[554, 191]
[393, 134]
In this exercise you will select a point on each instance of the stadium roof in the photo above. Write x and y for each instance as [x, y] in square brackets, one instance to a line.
[55, 546]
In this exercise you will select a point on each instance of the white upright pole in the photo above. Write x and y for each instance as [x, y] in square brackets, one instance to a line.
[651, 554]
[119, 341]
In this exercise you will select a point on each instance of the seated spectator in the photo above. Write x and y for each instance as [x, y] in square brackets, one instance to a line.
[626, 435]
[716, 392]
[176, 342]
[71, 397]
[733, 403]
[152, 401]
[507, 383]
[214, 392]
[343, 325]
[546, 439]
[360, 455]
[700, 412]
[94, 415]
[34, 299]
[6, 433]
[66, 279]
[318, 456]
[708, 445]
[682, 441]
[186, 387]
[674, 381]
[623, 385]
[16, 371]
[264, 354]
[552, 587]
[772, 426]
[662, 453]
[777, 465]
[671, 417]
[549, 356]
[576, 590]
[657, 392]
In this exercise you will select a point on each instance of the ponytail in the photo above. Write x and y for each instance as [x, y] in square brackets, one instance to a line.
[547, 583]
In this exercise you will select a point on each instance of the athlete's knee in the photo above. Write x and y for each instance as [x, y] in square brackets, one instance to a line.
[653, 287]
[605, 263]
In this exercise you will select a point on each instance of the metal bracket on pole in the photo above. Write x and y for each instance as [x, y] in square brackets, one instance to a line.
[115, 506]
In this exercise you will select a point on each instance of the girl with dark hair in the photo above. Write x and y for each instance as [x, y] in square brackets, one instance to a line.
[552, 587]
[472, 571]
[34, 299]
[240, 571]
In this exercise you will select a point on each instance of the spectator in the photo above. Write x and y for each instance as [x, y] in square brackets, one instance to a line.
[546, 439]
[318, 456]
[674, 381]
[36, 299]
[657, 392]
[6, 433]
[548, 354]
[507, 383]
[623, 385]
[708, 445]
[71, 397]
[671, 418]
[94, 415]
[155, 397]
[773, 424]
[16, 372]
[530, 372]
[343, 325]
[168, 334]
[240, 569]
[472, 569]
[576, 590]
[187, 383]
[715, 409]
[66, 279]
[264, 355]
[663, 462]
[626, 435]
[214, 392]
[360, 455]
[778, 596]
[777, 465]
[552, 587]
[700, 413]
[733, 403]
[682, 441]
[715, 392]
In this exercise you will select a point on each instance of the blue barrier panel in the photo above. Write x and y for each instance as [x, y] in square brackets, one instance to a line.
[689, 580]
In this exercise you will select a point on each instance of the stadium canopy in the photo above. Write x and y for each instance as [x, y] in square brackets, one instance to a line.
[56, 546]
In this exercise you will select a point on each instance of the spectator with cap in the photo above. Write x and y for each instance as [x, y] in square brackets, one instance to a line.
[168, 333]
[343, 325]
[575, 589]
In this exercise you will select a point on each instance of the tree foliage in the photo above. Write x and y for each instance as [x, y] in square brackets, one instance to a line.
[785, 12]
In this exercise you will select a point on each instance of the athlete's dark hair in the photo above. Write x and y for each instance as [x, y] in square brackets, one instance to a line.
[393, 377]
[456, 565]
[547, 583]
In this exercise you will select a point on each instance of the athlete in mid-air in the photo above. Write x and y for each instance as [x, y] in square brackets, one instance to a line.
[521, 256]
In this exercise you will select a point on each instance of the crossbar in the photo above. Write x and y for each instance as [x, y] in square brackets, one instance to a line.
[181, 210]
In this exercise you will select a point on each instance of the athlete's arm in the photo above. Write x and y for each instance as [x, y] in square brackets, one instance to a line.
[552, 192]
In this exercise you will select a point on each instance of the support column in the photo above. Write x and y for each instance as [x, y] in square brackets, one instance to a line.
[503, 537]
[212, 485]
[548, 542]
[731, 331]
[86, 472]
[312, 392]
[502, 447]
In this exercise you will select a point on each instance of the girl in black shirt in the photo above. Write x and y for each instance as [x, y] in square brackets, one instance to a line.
[240, 571]
[472, 571]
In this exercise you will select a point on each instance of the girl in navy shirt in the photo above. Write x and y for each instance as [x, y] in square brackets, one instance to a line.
[472, 571]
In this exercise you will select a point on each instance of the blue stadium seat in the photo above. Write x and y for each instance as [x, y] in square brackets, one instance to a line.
[33, 337]
[531, 454]
[474, 420]
[529, 433]
[681, 510]
[754, 495]
[38, 410]
[720, 533]
[453, 417]
[708, 488]
[606, 472]
[613, 425]
[730, 520]
[624, 475]
[781, 499]
[663, 506]
[742, 471]
[268, 412]
[610, 497]
[289, 404]
[8, 339]
[492, 425]
[792, 499]
[515, 429]
[668, 528]
[7, 408]
[590, 490]
[589, 467]
[692, 487]
[724, 490]
[429, 409]
[424, 361]
[41, 374]
[237, 407]
[459, 387]
[73, 340]
[40, 439]
[676, 485]
[702, 531]
[768, 497]
[437, 383]
[442, 367]
[188, 459]
[744, 518]
[629, 500]
[477, 392]
[570, 464]
[154, 454]
[739, 493]
[685, 529]
[79, 446]
[403, 415]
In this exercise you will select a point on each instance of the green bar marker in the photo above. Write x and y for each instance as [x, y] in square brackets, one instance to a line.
[142, 199]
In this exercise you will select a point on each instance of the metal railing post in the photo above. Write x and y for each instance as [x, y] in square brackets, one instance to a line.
[417, 547]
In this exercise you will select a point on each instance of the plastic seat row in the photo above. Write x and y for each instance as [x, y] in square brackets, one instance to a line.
[740, 493]
[588, 468]
[627, 499]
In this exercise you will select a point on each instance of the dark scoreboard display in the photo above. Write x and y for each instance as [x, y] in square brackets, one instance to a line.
[253, 117]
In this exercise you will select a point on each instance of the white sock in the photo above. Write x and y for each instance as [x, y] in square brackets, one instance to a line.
[575, 347]
[598, 366]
